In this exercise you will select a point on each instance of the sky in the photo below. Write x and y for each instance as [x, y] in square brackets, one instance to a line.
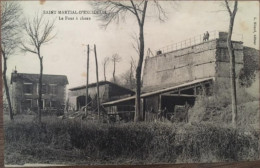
[66, 53]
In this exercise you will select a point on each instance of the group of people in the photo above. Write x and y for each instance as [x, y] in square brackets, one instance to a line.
[206, 36]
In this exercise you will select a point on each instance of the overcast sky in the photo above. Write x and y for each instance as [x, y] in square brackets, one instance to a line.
[66, 54]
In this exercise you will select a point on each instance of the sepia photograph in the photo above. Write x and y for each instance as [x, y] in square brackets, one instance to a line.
[131, 82]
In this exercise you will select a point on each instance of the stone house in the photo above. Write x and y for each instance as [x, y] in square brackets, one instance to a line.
[108, 91]
[25, 91]
[173, 80]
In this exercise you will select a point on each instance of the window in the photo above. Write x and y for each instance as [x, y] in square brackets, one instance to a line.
[53, 89]
[44, 88]
[42, 105]
[27, 104]
[27, 88]
[54, 104]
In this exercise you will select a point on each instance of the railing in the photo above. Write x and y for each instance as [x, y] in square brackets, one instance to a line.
[195, 40]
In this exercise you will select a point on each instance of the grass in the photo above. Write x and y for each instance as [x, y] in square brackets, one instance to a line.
[74, 142]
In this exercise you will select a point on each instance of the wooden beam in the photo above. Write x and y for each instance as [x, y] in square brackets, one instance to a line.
[178, 95]
[159, 102]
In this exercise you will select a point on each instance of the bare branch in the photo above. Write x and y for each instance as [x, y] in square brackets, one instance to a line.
[10, 27]
[161, 12]
[228, 8]
[136, 13]
[106, 61]
[116, 58]
[133, 62]
[135, 44]
[27, 49]
[38, 32]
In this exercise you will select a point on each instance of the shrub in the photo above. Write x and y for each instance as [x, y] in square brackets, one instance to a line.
[217, 109]
[136, 142]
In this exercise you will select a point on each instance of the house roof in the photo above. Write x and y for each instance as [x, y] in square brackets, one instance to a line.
[46, 78]
[100, 83]
[164, 90]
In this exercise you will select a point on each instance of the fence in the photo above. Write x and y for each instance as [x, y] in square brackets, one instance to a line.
[196, 40]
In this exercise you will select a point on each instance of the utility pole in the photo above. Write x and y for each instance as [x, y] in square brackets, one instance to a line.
[86, 109]
[97, 81]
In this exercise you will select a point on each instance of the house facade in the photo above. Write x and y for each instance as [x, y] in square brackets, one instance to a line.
[173, 80]
[25, 91]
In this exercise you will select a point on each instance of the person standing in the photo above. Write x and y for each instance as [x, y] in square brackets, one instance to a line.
[207, 36]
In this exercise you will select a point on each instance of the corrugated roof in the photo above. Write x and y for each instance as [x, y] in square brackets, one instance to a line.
[46, 78]
[160, 91]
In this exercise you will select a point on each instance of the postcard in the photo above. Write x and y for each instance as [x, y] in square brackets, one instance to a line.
[129, 82]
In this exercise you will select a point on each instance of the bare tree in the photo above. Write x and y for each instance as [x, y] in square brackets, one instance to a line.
[115, 58]
[39, 32]
[10, 39]
[127, 79]
[105, 62]
[116, 10]
[231, 53]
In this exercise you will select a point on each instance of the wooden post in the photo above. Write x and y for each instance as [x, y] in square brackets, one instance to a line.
[159, 106]
[97, 81]
[86, 110]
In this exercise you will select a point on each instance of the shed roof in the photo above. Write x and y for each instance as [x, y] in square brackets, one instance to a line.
[100, 83]
[161, 90]
[46, 78]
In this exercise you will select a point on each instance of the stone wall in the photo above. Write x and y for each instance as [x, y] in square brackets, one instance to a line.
[207, 59]
[180, 66]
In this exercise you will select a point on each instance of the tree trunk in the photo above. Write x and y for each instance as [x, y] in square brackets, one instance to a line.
[232, 69]
[97, 82]
[7, 89]
[114, 78]
[138, 112]
[40, 103]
